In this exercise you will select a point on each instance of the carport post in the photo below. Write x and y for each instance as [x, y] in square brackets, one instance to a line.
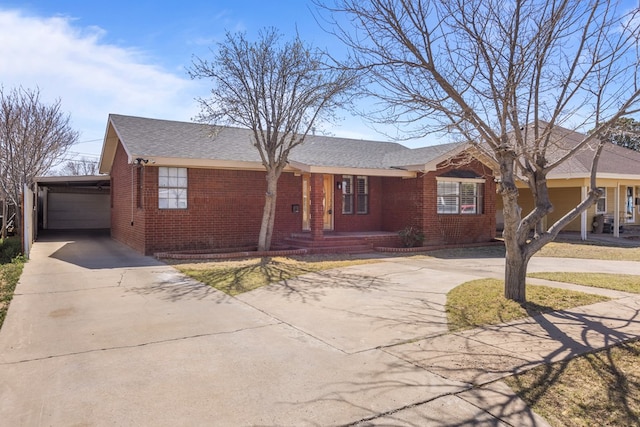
[27, 220]
[45, 208]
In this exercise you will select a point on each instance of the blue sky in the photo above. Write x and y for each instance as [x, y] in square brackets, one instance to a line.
[130, 57]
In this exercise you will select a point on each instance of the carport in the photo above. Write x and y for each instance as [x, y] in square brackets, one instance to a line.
[73, 202]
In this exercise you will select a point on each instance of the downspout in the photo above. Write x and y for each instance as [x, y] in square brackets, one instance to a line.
[132, 188]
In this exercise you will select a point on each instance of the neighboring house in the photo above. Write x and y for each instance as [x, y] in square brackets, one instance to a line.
[618, 174]
[184, 186]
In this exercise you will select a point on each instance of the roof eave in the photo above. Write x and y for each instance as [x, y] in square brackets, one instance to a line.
[71, 178]
[343, 170]
[587, 175]
[201, 163]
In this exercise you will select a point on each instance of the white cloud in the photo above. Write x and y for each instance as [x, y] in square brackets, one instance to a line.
[92, 78]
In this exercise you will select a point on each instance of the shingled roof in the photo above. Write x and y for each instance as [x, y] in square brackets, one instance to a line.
[615, 161]
[192, 144]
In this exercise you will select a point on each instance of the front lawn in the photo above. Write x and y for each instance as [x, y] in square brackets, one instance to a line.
[482, 302]
[237, 276]
[602, 388]
[589, 250]
[598, 389]
[618, 282]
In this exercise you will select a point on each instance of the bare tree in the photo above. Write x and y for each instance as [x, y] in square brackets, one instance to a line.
[277, 90]
[506, 75]
[84, 166]
[33, 138]
[5, 214]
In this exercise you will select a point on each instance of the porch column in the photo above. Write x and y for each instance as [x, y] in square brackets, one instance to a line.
[45, 208]
[317, 210]
[616, 212]
[583, 217]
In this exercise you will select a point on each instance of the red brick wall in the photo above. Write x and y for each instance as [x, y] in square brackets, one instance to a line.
[371, 221]
[225, 209]
[127, 221]
[402, 203]
[461, 228]
[413, 202]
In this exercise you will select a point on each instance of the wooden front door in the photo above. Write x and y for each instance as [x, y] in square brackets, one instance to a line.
[327, 202]
[306, 202]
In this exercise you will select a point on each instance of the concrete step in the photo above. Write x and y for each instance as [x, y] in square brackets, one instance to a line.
[308, 243]
[359, 249]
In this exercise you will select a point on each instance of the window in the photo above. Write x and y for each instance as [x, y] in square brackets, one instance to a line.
[362, 192]
[347, 194]
[172, 188]
[601, 204]
[460, 197]
[448, 197]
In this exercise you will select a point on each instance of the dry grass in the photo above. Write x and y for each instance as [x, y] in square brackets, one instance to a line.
[599, 389]
[618, 282]
[481, 302]
[602, 388]
[9, 276]
[234, 277]
[590, 250]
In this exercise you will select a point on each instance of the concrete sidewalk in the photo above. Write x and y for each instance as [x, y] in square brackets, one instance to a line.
[99, 335]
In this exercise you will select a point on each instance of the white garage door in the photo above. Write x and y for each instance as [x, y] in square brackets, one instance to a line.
[67, 211]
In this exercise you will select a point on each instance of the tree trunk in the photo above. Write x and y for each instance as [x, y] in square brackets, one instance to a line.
[5, 212]
[515, 274]
[515, 233]
[269, 212]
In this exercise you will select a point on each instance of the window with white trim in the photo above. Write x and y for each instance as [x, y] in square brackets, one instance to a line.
[460, 196]
[601, 204]
[362, 193]
[172, 188]
[347, 194]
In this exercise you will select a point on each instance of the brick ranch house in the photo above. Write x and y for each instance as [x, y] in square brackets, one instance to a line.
[178, 186]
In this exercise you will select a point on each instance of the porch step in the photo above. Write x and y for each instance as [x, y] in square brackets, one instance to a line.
[343, 242]
[340, 244]
[327, 242]
[360, 249]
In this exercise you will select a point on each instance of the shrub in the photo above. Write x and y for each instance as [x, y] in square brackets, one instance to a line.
[9, 249]
[411, 236]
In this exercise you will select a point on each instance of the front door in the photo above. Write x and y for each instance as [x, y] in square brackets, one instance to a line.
[630, 213]
[327, 202]
[306, 202]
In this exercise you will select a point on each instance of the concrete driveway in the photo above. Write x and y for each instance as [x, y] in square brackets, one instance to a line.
[99, 335]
